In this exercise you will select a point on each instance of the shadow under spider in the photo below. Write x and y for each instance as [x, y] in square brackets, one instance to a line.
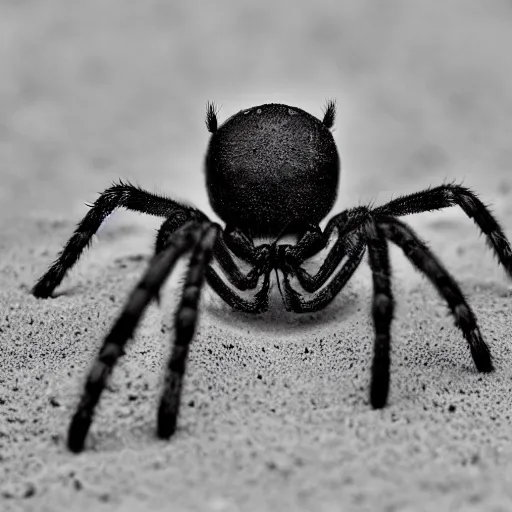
[276, 320]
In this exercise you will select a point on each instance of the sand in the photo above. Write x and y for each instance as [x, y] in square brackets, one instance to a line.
[276, 413]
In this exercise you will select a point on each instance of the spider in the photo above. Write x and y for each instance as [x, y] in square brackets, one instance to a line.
[270, 170]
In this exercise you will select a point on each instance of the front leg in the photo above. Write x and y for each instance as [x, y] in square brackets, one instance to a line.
[184, 328]
[123, 329]
[119, 195]
[237, 242]
[258, 304]
[294, 301]
[291, 257]
[350, 242]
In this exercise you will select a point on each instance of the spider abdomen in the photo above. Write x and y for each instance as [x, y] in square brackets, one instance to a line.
[271, 166]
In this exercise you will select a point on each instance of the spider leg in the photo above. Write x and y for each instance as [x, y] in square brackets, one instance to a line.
[245, 249]
[230, 297]
[119, 195]
[294, 300]
[427, 263]
[382, 312]
[113, 346]
[451, 195]
[346, 225]
[348, 243]
[173, 223]
[291, 257]
[240, 244]
[185, 324]
[291, 264]
[311, 242]
[233, 240]
[383, 303]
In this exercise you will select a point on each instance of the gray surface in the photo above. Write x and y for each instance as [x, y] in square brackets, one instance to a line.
[100, 90]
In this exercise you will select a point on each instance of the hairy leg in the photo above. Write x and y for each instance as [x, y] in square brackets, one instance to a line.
[290, 258]
[427, 263]
[383, 303]
[451, 195]
[382, 313]
[294, 301]
[185, 324]
[240, 244]
[342, 247]
[443, 196]
[244, 248]
[120, 195]
[259, 304]
[123, 329]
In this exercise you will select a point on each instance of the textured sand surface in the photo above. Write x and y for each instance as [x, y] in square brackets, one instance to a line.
[276, 413]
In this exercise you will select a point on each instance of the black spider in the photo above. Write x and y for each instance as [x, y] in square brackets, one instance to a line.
[271, 170]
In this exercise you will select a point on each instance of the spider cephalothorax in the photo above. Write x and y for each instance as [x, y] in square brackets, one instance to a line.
[270, 170]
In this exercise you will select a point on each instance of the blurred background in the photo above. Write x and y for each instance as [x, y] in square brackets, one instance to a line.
[105, 89]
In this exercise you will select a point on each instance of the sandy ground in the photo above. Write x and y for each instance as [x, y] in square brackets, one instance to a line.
[276, 413]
